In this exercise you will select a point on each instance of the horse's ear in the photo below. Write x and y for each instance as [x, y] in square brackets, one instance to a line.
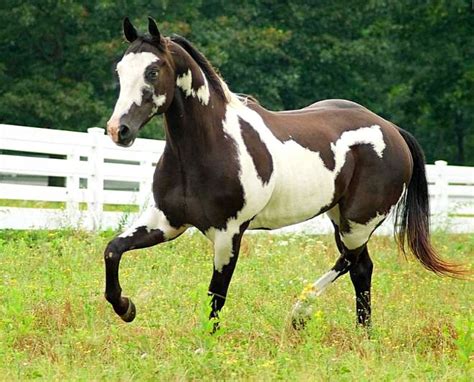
[129, 30]
[153, 29]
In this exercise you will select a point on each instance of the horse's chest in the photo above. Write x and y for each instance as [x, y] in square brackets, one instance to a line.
[200, 196]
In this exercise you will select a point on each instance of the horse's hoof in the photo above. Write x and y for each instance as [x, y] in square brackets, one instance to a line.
[298, 323]
[215, 327]
[300, 315]
[131, 312]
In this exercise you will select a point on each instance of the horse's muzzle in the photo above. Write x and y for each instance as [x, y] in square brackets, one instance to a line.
[121, 134]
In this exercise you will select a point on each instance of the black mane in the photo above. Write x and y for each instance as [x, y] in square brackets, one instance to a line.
[210, 73]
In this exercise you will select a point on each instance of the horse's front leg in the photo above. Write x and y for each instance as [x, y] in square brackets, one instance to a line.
[226, 253]
[150, 229]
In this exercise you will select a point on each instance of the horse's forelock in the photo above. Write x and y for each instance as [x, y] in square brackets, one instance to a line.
[146, 43]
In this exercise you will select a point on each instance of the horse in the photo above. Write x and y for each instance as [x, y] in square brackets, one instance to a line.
[229, 165]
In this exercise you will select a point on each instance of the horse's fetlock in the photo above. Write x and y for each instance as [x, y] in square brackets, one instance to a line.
[113, 297]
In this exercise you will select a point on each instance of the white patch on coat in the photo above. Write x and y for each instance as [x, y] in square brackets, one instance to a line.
[256, 195]
[185, 83]
[151, 219]
[131, 71]
[303, 184]
[300, 185]
[157, 102]
[365, 135]
[359, 233]
[203, 94]
[334, 214]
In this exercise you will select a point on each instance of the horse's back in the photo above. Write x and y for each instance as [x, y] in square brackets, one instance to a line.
[336, 104]
[329, 150]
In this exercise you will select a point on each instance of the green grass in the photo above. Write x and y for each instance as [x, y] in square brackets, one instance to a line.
[56, 325]
[62, 205]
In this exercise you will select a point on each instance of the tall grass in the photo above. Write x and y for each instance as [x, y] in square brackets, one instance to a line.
[55, 323]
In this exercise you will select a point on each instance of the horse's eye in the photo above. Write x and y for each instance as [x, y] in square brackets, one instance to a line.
[153, 75]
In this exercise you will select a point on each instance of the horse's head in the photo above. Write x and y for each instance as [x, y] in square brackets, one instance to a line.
[147, 83]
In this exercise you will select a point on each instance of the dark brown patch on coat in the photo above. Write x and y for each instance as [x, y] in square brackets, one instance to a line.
[369, 193]
[261, 157]
[197, 180]
[318, 125]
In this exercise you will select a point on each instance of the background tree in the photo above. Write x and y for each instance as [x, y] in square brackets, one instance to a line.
[412, 62]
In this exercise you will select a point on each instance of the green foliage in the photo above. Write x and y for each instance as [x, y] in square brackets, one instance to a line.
[412, 62]
[56, 325]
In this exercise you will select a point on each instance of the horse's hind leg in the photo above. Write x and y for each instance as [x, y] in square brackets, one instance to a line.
[351, 240]
[303, 308]
[361, 276]
[150, 229]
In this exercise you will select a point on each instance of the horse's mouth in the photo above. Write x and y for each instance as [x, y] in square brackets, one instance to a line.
[126, 143]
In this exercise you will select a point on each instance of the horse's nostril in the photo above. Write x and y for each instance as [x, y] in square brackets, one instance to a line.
[124, 132]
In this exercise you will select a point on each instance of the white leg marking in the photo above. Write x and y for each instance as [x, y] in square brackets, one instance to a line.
[303, 307]
[222, 251]
[323, 282]
[151, 219]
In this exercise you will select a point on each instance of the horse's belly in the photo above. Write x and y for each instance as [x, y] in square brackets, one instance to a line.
[304, 186]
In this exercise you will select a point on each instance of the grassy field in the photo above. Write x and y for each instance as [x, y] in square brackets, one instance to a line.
[56, 325]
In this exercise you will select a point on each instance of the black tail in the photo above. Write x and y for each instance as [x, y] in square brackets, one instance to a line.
[412, 223]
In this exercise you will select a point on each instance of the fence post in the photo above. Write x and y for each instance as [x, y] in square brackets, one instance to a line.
[145, 192]
[441, 194]
[95, 183]
[73, 189]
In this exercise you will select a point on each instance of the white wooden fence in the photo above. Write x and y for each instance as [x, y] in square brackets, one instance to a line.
[97, 173]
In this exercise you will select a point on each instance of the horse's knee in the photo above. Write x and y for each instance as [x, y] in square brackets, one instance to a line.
[113, 250]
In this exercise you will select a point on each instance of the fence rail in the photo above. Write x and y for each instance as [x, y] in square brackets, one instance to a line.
[86, 171]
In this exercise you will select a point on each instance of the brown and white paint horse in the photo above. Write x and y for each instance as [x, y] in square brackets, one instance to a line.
[230, 165]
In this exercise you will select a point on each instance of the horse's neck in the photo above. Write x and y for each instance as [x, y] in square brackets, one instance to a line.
[194, 126]
[194, 120]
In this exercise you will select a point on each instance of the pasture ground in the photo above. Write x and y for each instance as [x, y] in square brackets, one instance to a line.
[56, 325]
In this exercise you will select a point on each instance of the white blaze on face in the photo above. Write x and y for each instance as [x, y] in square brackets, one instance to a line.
[131, 71]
